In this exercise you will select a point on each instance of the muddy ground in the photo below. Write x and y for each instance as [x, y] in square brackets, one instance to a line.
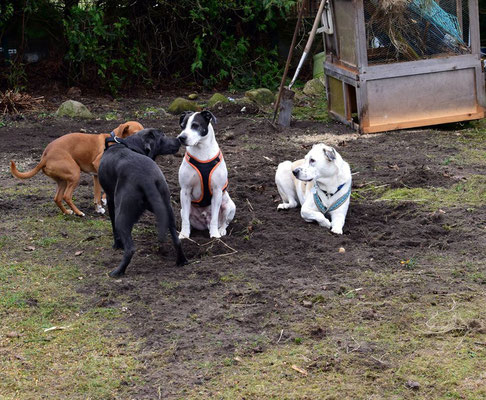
[273, 271]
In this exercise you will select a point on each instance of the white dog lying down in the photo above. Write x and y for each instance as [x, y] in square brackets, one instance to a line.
[322, 187]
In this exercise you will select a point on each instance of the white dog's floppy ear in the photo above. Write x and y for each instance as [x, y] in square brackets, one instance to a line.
[330, 154]
[209, 117]
[183, 116]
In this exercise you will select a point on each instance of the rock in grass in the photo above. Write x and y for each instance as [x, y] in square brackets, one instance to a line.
[73, 109]
[180, 105]
[217, 98]
[315, 87]
[260, 96]
[412, 385]
[192, 96]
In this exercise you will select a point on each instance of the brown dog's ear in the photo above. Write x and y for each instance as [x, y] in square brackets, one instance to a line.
[120, 130]
[330, 154]
[125, 131]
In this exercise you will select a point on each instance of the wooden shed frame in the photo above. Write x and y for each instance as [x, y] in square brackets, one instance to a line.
[383, 97]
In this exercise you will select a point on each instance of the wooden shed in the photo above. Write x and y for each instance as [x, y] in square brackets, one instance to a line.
[394, 64]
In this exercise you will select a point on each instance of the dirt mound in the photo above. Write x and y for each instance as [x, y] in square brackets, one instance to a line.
[423, 177]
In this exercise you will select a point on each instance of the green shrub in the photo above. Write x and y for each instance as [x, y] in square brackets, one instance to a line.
[232, 45]
[98, 50]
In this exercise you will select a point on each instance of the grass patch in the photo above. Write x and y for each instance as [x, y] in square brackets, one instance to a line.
[362, 359]
[150, 112]
[112, 116]
[79, 359]
[469, 193]
[471, 144]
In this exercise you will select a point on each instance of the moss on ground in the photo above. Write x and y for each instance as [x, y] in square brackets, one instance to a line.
[316, 110]
[470, 193]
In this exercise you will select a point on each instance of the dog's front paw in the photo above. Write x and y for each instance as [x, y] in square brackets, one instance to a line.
[116, 273]
[69, 212]
[222, 231]
[184, 234]
[337, 230]
[325, 223]
[214, 233]
[99, 209]
[286, 206]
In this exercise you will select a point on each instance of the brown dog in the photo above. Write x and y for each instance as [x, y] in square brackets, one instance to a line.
[65, 157]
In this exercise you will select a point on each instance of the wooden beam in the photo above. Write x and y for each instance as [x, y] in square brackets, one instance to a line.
[423, 122]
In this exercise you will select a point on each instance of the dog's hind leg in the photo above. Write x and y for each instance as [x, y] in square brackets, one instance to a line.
[61, 187]
[97, 186]
[68, 194]
[227, 213]
[126, 214]
[117, 244]
[285, 186]
[97, 195]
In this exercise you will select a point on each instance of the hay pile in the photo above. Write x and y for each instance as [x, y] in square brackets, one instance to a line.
[407, 30]
[13, 102]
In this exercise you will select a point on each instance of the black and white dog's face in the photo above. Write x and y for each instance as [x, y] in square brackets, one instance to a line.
[196, 127]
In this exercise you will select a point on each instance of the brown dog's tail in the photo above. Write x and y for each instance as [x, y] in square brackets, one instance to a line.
[25, 175]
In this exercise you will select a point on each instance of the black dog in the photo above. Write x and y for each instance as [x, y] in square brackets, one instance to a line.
[133, 183]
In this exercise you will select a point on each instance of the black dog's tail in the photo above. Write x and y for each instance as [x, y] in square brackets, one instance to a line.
[160, 203]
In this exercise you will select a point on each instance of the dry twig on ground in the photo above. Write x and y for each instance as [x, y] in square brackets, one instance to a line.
[12, 102]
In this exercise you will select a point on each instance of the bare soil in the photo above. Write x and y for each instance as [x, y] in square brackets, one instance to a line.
[238, 294]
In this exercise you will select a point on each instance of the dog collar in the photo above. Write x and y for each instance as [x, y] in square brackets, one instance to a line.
[330, 194]
[334, 206]
[114, 139]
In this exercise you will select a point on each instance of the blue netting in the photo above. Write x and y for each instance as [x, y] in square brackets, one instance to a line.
[433, 13]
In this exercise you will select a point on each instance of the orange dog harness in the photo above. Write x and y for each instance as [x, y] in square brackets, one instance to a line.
[205, 170]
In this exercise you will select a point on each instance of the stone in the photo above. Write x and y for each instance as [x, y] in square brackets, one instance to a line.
[314, 87]
[217, 98]
[180, 105]
[300, 96]
[260, 96]
[412, 385]
[193, 96]
[243, 101]
[73, 109]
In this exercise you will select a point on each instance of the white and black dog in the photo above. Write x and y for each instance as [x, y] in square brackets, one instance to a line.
[322, 187]
[203, 177]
